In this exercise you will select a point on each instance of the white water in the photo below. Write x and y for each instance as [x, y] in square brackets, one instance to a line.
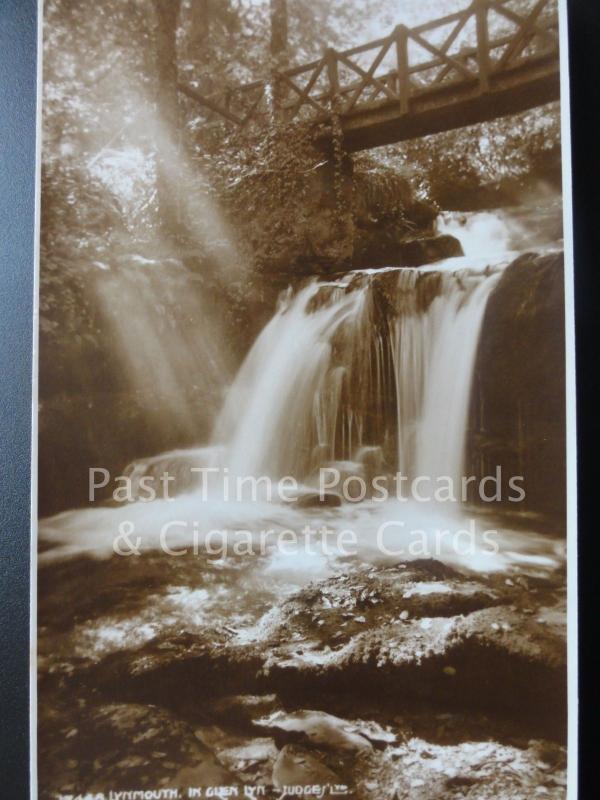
[453, 326]
[300, 390]
[378, 364]
[284, 382]
[485, 234]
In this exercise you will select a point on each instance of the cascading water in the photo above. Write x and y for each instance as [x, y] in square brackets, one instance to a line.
[370, 373]
[286, 383]
[350, 365]
[452, 327]
[485, 234]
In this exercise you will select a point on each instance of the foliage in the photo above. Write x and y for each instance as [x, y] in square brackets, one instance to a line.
[267, 187]
[104, 140]
[507, 153]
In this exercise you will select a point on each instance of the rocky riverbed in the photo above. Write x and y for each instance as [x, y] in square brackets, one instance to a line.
[380, 680]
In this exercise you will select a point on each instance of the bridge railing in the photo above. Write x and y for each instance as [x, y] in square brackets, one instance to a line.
[476, 46]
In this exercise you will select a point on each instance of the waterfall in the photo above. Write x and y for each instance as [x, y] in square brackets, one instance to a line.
[378, 359]
[448, 345]
[484, 233]
[370, 373]
[286, 384]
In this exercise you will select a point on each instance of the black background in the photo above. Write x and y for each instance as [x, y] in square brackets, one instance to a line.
[17, 181]
[584, 58]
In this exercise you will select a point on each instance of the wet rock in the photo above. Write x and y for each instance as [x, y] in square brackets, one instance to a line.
[423, 628]
[379, 596]
[372, 460]
[319, 728]
[250, 758]
[466, 641]
[481, 770]
[396, 617]
[429, 250]
[243, 709]
[392, 248]
[316, 499]
[295, 766]
[125, 745]
[519, 383]
[183, 667]
[244, 670]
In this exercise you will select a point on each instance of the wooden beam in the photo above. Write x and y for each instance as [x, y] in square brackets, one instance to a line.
[448, 44]
[527, 30]
[252, 111]
[369, 76]
[208, 103]
[305, 92]
[333, 76]
[437, 52]
[481, 8]
[401, 34]
[519, 20]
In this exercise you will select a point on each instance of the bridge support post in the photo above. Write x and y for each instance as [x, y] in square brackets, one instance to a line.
[483, 44]
[401, 36]
[333, 77]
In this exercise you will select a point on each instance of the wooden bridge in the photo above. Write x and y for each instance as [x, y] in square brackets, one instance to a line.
[494, 58]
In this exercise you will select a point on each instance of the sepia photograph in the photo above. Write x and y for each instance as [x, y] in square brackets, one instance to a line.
[303, 414]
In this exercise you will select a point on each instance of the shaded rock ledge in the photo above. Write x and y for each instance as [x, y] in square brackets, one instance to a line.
[404, 681]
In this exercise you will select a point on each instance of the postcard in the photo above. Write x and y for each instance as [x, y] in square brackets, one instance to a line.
[304, 427]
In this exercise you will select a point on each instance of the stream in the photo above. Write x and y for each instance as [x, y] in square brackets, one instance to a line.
[314, 598]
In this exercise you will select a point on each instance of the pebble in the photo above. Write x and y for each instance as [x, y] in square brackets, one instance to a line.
[449, 670]
[404, 614]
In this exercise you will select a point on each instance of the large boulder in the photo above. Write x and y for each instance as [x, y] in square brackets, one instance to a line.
[392, 247]
[518, 408]
[336, 216]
